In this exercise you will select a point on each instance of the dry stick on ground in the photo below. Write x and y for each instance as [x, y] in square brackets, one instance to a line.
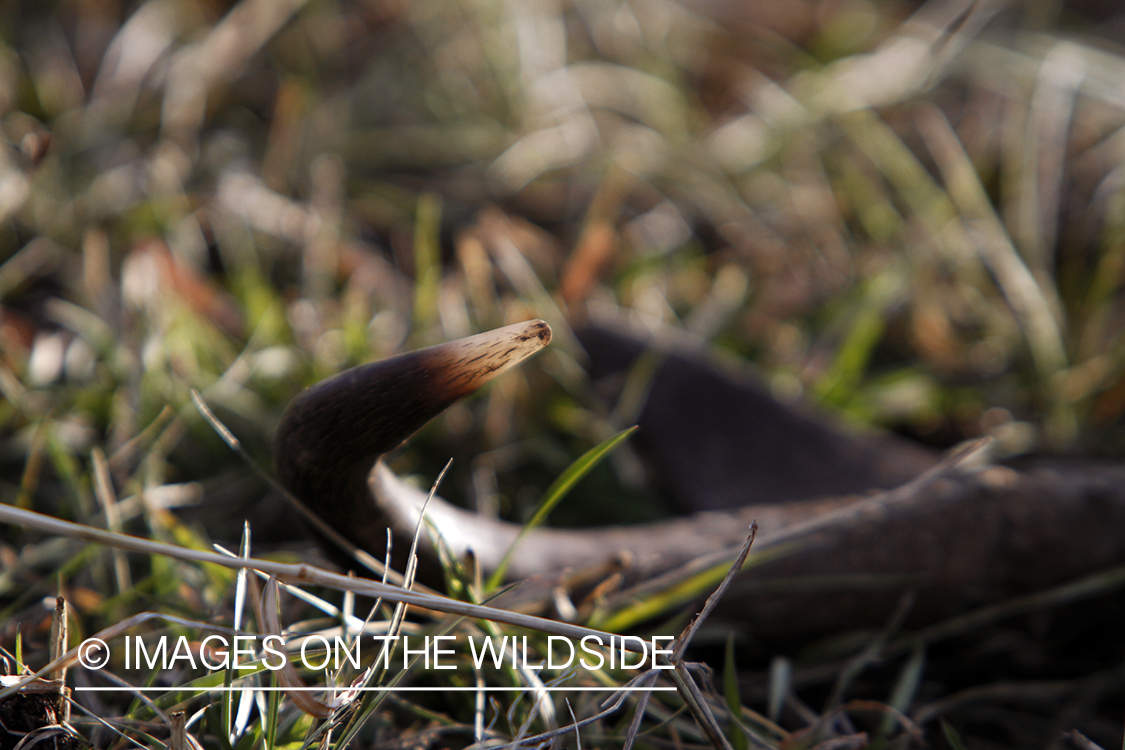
[59, 637]
[178, 739]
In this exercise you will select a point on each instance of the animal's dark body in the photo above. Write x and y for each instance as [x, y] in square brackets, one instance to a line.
[719, 440]
[959, 532]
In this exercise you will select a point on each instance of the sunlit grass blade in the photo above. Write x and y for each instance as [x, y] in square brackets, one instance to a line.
[556, 492]
[681, 592]
[427, 259]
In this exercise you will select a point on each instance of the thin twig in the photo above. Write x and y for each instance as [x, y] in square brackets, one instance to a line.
[713, 600]
[302, 573]
[680, 675]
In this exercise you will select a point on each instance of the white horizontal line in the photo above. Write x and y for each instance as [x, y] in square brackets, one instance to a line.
[221, 688]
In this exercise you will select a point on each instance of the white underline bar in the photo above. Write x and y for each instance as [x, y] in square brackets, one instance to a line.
[221, 688]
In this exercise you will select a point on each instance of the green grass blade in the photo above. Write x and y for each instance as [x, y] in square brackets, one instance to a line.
[427, 260]
[556, 492]
[951, 736]
[906, 687]
[682, 592]
[733, 698]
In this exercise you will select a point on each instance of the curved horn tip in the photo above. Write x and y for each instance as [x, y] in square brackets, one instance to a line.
[532, 330]
[472, 361]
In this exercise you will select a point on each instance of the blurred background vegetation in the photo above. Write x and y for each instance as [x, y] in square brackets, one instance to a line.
[910, 214]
